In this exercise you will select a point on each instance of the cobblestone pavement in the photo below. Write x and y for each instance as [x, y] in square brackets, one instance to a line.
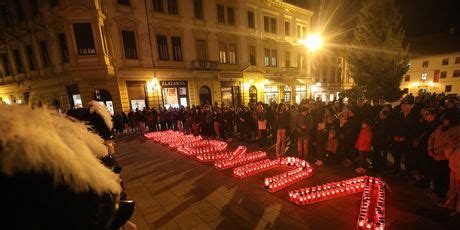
[176, 192]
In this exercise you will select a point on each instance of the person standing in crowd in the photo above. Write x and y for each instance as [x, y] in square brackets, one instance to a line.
[133, 121]
[271, 121]
[195, 118]
[381, 139]
[217, 121]
[154, 120]
[262, 125]
[293, 115]
[162, 117]
[404, 129]
[437, 145]
[208, 115]
[142, 120]
[149, 118]
[363, 146]
[304, 127]
[282, 123]
[424, 161]
[118, 122]
[331, 142]
[241, 124]
[453, 154]
[348, 134]
[228, 124]
[125, 121]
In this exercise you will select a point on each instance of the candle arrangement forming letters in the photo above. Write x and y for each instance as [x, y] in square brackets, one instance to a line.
[372, 208]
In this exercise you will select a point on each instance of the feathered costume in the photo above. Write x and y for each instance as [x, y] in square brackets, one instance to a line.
[50, 174]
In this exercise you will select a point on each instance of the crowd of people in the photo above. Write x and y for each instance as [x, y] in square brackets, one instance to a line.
[418, 138]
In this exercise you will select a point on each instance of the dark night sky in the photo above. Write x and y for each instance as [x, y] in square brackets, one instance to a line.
[420, 17]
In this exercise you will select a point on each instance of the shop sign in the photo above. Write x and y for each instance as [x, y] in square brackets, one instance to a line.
[173, 83]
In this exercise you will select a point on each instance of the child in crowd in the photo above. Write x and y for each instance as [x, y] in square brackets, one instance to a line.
[363, 145]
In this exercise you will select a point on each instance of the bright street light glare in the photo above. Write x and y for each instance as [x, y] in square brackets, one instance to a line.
[313, 42]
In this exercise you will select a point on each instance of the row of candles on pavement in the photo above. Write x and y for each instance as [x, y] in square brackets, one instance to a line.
[252, 163]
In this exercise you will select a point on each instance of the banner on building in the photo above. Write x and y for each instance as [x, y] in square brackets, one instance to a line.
[436, 75]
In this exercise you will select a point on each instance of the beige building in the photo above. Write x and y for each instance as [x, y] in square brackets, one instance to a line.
[438, 73]
[137, 53]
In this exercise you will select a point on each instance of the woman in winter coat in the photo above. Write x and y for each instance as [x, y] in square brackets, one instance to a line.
[282, 123]
[437, 146]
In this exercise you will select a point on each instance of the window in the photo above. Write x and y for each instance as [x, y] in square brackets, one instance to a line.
[445, 61]
[177, 48]
[162, 43]
[230, 16]
[456, 73]
[299, 32]
[30, 57]
[84, 38]
[220, 14]
[201, 50]
[123, 2]
[158, 5]
[407, 77]
[304, 32]
[274, 58]
[287, 28]
[448, 88]
[198, 6]
[287, 59]
[64, 49]
[222, 53]
[444, 74]
[424, 76]
[273, 27]
[267, 57]
[457, 60]
[6, 67]
[425, 64]
[266, 24]
[17, 59]
[129, 44]
[252, 55]
[45, 54]
[172, 7]
[232, 54]
[251, 21]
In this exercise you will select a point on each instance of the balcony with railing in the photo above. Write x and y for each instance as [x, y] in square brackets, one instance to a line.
[207, 65]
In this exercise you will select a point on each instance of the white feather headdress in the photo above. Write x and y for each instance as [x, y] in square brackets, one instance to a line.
[38, 140]
[102, 110]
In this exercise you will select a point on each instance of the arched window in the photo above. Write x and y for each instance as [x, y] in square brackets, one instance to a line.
[205, 95]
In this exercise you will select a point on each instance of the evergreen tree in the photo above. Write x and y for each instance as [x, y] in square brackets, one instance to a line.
[378, 59]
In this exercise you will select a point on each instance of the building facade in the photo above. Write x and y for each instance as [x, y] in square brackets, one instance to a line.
[439, 73]
[136, 53]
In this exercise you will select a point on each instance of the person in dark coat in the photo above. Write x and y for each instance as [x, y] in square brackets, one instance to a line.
[381, 140]
[424, 162]
[404, 129]
[349, 128]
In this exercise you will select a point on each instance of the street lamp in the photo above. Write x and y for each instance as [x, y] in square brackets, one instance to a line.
[313, 42]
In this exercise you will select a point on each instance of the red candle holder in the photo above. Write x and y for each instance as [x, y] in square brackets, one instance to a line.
[241, 160]
[327, 191]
